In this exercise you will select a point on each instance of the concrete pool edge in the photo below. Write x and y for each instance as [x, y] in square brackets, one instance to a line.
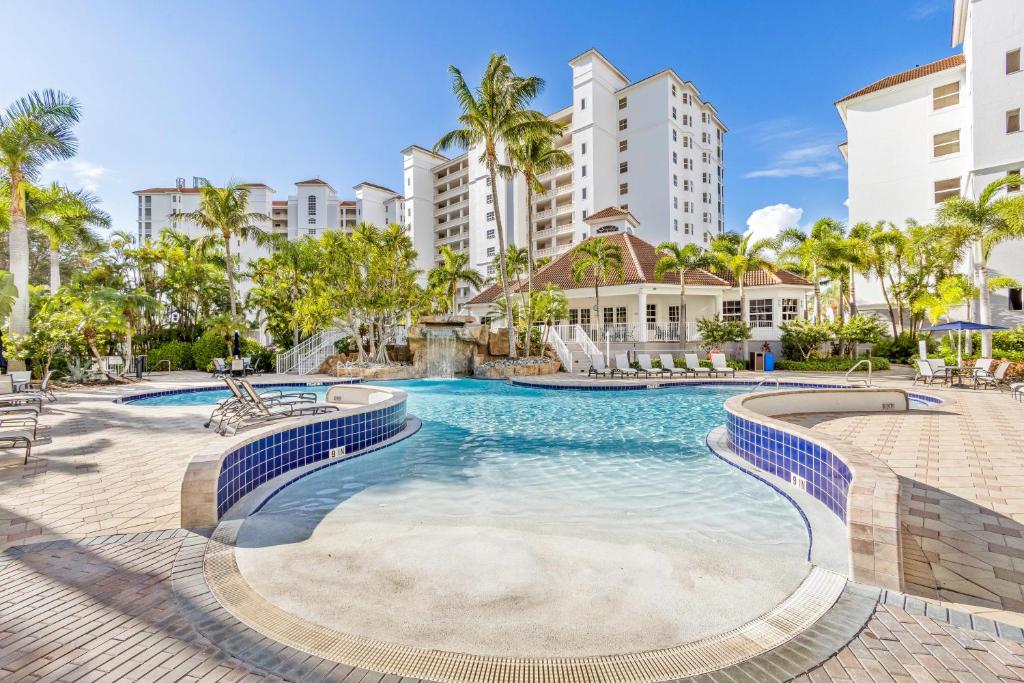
[135, 398]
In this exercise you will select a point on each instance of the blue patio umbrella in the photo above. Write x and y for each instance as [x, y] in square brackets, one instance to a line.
[959, 326]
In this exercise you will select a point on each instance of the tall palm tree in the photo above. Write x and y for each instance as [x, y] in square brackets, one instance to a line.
[64, 217]
[738, 255]
[224, 215]
[495, 115]
[677, 258]
[986, 222]
[812, 252]
[601, 260]
[34, 130]
[453, 270]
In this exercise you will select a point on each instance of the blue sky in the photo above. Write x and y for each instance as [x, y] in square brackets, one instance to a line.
[277, 92]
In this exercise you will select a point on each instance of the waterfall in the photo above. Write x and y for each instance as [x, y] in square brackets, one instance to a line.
[440, 353]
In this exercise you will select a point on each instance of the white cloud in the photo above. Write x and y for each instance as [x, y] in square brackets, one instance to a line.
[768, 221]
[846, 202]
[926, 8]
[75, 173]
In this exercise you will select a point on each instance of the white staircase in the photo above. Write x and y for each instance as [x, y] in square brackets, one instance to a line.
[578, 345]
[307, 356]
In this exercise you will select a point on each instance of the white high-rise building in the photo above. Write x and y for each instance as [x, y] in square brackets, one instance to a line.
[652, 146]
[942, 130]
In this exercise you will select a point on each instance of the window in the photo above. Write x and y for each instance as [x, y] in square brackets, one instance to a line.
[622, 103]
[788, 309]
[686, 98]
[652, 313]
[673, 314]
[706, 197]
[946, 189]
[490, 251]
[675, 224]
[687, 164]
[675, 158]
[675, 180]
[490, 234]
[687, 185]
[705, 138]
[623, 145]
[1013, 61]
[623, 124]
[583, 148]
[583, 103]
[687, 120]
[675, 202]
[583, 193]
[946, 96]
[312, 221]
[623, 166]
[688, 228]
[623, 188]
[1016, 299]
[584, 214]
[704, 157]
[946, 143]
[730, 309]
[583, 171]
[585, 317]
[620, 315]
[673, 112]
[1013, 188]
[704, 117]
[1013, 121]
[673, 90]
[674, 137]
[490, 216]
[490, 269]
[311, 205]
[490, 199]
[686, 141]
[624, 207]
[707, 217]
[574, 316]
[687, 207]
[760, 312]
[311, 231]
[609, 316]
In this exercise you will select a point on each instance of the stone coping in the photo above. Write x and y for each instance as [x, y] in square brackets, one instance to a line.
[199, 486]
[131, 398]
[872, 499]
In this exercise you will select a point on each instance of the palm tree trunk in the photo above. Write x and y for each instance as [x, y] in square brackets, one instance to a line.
[230, 265]
[853, 293]
[888, 304]
[682, 309]
[744, 317]
[18, 249]
[54, 266]
[984, 307]
[817, 295]
[529, 260]
[502, 271]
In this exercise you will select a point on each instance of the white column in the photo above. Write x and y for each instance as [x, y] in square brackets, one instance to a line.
[642, 313]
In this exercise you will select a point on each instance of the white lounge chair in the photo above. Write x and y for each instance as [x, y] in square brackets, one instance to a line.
[255, 410]
[9, 397]
[622, 366]
[996, 379]
[1017, 390]
[42, 387]
[925, 372]
[12, 438]
[597, 366]
[693, 365]
[220, 369]
[668, 364]
[719, 366]
[644, 359]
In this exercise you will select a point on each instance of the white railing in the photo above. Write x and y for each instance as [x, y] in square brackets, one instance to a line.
[449, 208]
[308, 355]
[561, 349]
[670, 331]
[581, 337]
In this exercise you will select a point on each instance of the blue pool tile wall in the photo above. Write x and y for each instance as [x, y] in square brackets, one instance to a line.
[260, 385]
[783, 454]
[249, 466]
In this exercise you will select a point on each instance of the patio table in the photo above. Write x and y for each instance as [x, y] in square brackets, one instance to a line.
[958, 374]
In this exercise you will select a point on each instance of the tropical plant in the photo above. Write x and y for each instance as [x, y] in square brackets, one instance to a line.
[64, 217]
[678, 258]
[986, 222]
[858, 329]
[35, 129]
[739, 255]
[601, 261]
[803, 338]
[494, 116]
[453, 271]
[810, 253]
[715, 332]
[224, 215]
[279, 283]
[8, 294]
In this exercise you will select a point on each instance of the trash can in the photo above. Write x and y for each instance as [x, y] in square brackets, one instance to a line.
[769, 362]
[140, 366]
[756, 360]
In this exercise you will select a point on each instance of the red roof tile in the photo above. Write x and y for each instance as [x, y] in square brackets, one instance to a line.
[313, 181]
[908, 75]
[610, 212]
[347, 202]
[280, 202]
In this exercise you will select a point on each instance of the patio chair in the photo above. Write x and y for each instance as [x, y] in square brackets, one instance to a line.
[9, 397]
[996, 379]
[220, 370]
[644, 359]
[42, 387]
[247, 368]
[693, 365]
[238, 401]
[20, 420]
[983, 365]
[12, 438]
[256, 410]
[668, 364]
[926, 372]
[622, 367]
[1017, 390]
[597, 366]
[22, 379]
[719, 365]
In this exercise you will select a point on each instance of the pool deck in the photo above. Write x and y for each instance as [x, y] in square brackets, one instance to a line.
[99, 606]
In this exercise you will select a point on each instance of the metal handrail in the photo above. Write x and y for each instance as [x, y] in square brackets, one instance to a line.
[856, 365]
[766, 379]
[581, 337]
[561, 349]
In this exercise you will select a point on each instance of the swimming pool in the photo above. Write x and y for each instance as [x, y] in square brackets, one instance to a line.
[527, 522]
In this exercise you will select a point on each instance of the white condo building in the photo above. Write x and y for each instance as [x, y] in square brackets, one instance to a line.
[653, 147]
[942, 130]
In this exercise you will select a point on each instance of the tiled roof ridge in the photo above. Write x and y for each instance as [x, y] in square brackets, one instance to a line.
[907, 76]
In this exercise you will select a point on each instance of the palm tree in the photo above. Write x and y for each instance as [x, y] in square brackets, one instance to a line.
[453, 270]
[64, 217]
[223, 213]
[8, 294]
[738, 255]
[812, 252]
[678, 258]
[494, 115]
[986, 222]
[601, 260]
[34, 130]
[130, 306]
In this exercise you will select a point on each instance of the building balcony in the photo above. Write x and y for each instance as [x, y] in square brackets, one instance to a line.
[555, 172]
[451, 237]
[452, 192]
[451, 208]
[557, 211]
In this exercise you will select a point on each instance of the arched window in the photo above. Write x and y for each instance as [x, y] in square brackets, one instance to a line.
[312, 205]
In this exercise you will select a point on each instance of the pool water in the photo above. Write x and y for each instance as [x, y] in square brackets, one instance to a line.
[530, 522]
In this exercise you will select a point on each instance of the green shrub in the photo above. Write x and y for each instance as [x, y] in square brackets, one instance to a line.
[902, 349]
[262, 356]
[179, 354]
[833, 364]
[716, 332]
[209, 346]
[801, 338]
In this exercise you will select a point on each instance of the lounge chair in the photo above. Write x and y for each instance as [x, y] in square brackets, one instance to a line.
[9, 397]
[925, 372]
[20, 420]
[22, 379]
[1017, 390]
[15, 437]
[255, 410]
[220, 370]
[693, 365]
[238, 401]
[983, 365]
[668, 364]
[996, 379]
[644, 359]
[42, 387]
[622, 367]
[597, 366]
[719, 365]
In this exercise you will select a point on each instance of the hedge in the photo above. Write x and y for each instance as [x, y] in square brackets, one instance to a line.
[179, 353]
[835, 364]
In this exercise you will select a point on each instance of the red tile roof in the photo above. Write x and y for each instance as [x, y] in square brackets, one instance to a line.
[166, 190]
[379, 187]
[313, 181]
[908, 75]
[638, 262]
[610, 212]
[280, 202]
[348, 202]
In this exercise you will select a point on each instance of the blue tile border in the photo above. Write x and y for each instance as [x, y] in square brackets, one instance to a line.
[261, 385]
